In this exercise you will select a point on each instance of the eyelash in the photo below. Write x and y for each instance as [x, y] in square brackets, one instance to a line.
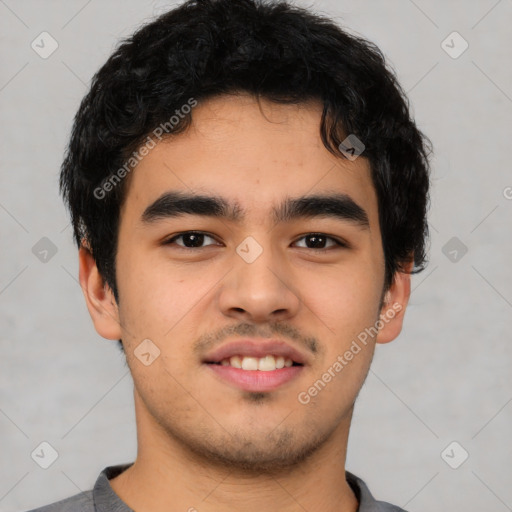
[339, 243]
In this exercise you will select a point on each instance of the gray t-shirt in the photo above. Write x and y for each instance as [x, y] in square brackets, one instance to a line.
[102, 497]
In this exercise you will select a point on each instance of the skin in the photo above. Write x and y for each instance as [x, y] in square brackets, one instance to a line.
[202, 443]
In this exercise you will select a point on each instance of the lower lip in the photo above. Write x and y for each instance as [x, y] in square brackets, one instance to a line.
[256, 380]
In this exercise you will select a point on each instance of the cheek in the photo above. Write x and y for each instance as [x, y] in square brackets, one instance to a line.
[344, 308]
[159, 299]
[346, 299]
[149, 297]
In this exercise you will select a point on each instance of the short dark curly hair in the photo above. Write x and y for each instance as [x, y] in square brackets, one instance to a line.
[272, 50]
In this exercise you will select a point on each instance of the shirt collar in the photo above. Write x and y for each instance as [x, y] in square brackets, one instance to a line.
[367, 502]
[105, 499]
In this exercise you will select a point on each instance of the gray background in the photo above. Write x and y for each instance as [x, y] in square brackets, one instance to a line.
[446, 378]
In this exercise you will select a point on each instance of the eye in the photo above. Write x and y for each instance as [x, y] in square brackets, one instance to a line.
[319, 241]
[196, 240]
[190, 240]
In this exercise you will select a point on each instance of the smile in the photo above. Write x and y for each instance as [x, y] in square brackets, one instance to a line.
[264, 364]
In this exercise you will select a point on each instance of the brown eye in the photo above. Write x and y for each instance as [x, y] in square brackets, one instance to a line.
[320, 241]
[190, 240]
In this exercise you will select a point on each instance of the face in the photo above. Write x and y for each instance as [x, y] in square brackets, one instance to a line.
[238, 277]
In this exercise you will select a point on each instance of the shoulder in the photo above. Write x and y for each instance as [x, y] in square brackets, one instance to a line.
[82, 502]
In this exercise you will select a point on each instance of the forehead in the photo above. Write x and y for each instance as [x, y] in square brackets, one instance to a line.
[254, 153]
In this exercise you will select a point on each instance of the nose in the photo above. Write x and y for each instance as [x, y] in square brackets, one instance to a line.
[259, 291]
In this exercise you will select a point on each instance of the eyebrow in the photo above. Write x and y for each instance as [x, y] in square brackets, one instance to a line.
[176, 203]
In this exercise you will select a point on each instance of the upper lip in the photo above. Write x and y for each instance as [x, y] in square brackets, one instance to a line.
[255, 348]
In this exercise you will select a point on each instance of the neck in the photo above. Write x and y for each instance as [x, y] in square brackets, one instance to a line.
[166, 476]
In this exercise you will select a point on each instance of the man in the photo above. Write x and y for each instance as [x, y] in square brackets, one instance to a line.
[248, 194]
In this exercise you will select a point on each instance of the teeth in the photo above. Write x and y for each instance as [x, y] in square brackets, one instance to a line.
[249, 363]
[235, 361]
[265, 364]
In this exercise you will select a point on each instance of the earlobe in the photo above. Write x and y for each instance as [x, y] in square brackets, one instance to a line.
[99, 298]
[395, 304]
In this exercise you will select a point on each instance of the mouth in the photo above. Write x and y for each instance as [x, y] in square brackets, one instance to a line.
[267, 363]
[256, 366]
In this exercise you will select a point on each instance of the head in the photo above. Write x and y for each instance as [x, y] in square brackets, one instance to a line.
[209, 101]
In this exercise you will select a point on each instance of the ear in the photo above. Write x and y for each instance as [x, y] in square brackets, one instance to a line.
[395, 303]
[98, 297]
